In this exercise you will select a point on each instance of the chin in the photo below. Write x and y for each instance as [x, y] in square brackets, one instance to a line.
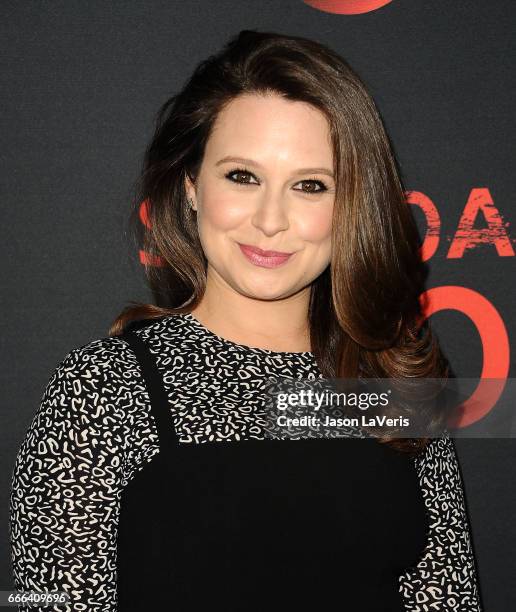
[263, 292]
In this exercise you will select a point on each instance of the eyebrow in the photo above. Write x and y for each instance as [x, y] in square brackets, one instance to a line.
[252, 162]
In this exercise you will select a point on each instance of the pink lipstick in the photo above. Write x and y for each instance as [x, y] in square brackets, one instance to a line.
[265, 259]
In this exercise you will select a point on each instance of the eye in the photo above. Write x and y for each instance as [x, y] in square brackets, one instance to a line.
[314, 186]
[242, 175]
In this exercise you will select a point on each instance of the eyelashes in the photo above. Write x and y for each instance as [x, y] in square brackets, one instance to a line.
[321, 186]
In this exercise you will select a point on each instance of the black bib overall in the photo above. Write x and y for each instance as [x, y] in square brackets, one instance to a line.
[311, 524]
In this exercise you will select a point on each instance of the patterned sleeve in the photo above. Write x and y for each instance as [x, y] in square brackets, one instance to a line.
[66, 482]
[445, 579]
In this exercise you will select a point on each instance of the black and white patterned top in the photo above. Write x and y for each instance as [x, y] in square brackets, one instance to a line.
[94, 431]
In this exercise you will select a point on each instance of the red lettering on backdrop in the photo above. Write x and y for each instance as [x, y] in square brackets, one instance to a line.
[433, 221]
[144, 214]
[347, 7]
[495, 346]
[147, 258]
[468, 237]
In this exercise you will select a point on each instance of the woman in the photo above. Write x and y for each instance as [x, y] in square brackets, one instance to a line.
[278, 245]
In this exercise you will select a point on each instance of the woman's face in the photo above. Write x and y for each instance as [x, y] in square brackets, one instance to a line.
[279, 198]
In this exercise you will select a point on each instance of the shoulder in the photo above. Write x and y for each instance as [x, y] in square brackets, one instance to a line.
[94, 371]
[113, 358]
[172, 341]
[438, 457]
[93, 359]
[96, 398]
[170, 333]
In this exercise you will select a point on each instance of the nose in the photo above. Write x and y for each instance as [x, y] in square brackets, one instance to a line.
[271, 214]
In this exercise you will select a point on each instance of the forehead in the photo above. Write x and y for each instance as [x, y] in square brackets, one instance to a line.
[269, 124]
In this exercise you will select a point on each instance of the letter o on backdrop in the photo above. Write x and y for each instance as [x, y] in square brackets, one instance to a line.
[494, 339]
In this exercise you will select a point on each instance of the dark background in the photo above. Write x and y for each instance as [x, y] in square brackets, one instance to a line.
[82, 82]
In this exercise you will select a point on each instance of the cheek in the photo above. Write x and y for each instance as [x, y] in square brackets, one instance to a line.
[315, 226]
[221, 212]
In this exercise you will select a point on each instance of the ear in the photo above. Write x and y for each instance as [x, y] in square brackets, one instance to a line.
[190, 189]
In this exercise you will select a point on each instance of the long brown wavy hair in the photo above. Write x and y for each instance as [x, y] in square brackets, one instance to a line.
[365, 312]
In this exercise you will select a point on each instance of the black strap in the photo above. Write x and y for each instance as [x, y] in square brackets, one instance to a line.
[160, 404]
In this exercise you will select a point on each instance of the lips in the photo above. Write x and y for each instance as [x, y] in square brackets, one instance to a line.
[254, 249]
[265, 259]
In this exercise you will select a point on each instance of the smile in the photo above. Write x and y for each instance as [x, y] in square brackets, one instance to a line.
[264, 259]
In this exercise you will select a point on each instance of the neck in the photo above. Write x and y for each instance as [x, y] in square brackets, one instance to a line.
[277, 325]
